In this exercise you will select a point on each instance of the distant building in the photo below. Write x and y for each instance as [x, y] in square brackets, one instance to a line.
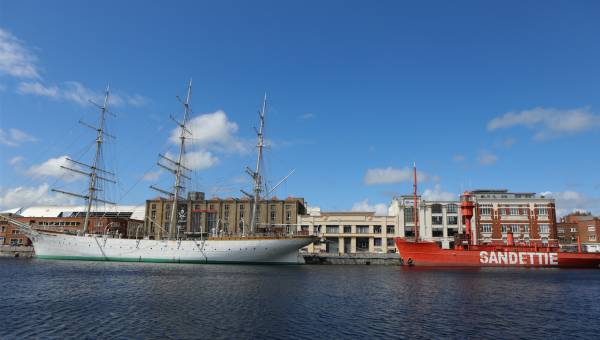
[352, 232]
[582, 225]
[439, 221]
[122, 220]
[530, 217]
[197, 215]
[349, 232]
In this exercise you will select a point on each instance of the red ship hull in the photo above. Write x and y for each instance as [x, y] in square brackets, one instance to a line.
[425, 253]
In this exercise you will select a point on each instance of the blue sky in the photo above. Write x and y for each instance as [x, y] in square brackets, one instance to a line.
[478, 94]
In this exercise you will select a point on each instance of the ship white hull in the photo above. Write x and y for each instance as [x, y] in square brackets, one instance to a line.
[98, 248]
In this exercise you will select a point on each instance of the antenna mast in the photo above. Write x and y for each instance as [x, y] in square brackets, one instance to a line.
[94, 170]
[177, 167]
[415, 209]
[256, 175]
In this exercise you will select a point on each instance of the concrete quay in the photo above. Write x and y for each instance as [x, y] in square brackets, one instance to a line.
[363, 259]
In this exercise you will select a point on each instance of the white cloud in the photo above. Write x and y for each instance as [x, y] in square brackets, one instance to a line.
[77, 93]
[14, 137]
[199, 160]
[391, 175]
[380, 209]
[26, 196]
[52, 168]
[15, 160]
[573, 201]
[137, 100]
[213, 131]
[487, 158]
[210, 133]
[15, 58]
[38, 89]
[548, 122]
[152, 176]
[437, 194]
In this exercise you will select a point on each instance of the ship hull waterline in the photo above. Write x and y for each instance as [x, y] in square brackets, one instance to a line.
[425, 253]
[212, 251]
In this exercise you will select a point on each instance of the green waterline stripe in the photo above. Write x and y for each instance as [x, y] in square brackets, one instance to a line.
[153, 260]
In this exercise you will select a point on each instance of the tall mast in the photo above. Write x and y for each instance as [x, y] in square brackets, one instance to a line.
[176, 166]
[256, 175]
[415, 208]
[93, 168]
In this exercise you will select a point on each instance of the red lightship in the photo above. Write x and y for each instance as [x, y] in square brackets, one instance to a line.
[467, 252]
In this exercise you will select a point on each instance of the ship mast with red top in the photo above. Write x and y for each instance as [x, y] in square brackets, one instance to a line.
[466, 210]
[415, 211]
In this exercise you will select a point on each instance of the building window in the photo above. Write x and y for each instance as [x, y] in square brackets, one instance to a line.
[591, 228]
[390, 242]
[377, 242]
[408, 215]
[486, 228]
[436, 209]
[514, 212]
[452, 220]
[226, 207]
[573, 230]
[332, 229]
[504, 227]
[526, 228]
[273, 215]
[390, 229]
[543, 211]
[592, 237]
[437, 232]
[544, 228]
[347, 229]
[514, 228]
[485, 209]
[452, 231]
[452, 208]
[226, 215]
[241, 207]
[153, 206]
[15, 232]
[288, 215]
[362, 244]
[377, 229]
[362, 229]
[436, 220]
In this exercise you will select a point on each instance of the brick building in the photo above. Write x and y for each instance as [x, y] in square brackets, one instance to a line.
[119, 220]
[584, 225]
[197, 215]
[530, 217]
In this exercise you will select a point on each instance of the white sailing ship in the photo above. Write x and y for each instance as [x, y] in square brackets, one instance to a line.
[246, 248]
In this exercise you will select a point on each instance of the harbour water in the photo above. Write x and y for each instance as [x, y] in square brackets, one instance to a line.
[64, 299]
